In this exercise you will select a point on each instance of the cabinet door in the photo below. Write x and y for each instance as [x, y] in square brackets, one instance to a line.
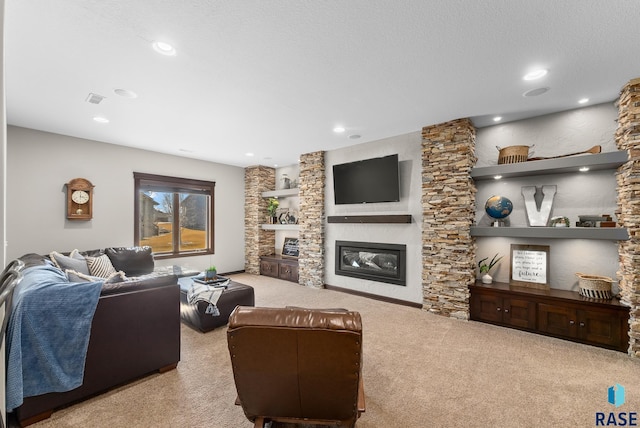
[269, 268]
[519, 313]
[288, 272]
[557, 320]
[486, 307]
[601, 327]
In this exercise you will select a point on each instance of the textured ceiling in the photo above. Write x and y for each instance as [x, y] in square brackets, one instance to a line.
[274, 77]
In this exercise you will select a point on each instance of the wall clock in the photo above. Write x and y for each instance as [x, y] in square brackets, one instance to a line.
[79, 199]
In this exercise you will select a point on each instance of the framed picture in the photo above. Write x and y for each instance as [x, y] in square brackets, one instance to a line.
[530, 266]
[290, 247]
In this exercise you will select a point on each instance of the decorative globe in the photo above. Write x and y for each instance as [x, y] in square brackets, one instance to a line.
[498, 207]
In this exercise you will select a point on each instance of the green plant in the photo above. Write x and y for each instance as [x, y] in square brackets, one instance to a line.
[272, 206]
[211, 268]
[484, 267]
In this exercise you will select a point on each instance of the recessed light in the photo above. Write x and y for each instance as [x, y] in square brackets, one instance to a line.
[164, 48]
[497, 118]
[583, 100]
[497, 177]
[535, 74]
[101, 119]
[354, 136]
[338, 129]
[249, 154]
[535, 92]
[584, 169]
[126, 93]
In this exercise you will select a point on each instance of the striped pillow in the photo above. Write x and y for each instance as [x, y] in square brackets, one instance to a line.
[100, 266]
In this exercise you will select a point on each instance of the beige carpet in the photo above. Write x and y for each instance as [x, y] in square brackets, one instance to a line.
[420, 370]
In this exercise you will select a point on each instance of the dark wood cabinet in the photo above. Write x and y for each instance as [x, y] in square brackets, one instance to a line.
[559, 313]
[512, 311]
[279, 267]
[269, 267]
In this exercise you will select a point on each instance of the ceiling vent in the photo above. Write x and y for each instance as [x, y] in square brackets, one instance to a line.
[94, 98]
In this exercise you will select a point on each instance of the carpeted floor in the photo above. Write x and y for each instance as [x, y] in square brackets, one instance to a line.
[420, 370]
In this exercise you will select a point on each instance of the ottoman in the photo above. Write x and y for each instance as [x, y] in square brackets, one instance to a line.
[195, 316]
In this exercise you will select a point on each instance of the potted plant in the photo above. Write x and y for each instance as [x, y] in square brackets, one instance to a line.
[486, 267]
[210, 273]
[271, 208]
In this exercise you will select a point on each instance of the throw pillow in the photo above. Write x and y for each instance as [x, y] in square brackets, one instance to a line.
[74, 261]
[100, 266]
[133, 261]
[74, 276]
[116, 277]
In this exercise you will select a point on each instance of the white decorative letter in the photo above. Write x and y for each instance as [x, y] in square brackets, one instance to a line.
[538, 216]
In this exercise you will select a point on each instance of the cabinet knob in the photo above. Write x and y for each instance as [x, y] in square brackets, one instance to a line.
[581, 324]
[506, 311]
[499, 309]
[571, 322]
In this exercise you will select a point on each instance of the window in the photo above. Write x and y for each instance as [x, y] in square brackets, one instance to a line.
[174, 216]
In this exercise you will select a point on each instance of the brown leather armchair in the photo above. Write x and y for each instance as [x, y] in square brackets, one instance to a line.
[297, 365]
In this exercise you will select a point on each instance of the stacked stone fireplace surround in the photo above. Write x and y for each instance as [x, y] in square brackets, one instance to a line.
[448, 203]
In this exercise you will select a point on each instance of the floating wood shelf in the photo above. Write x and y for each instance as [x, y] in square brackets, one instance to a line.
[389, 218]
[608, 160]
[606, 233]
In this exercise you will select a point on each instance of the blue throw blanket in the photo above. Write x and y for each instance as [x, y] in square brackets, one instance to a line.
[48, 333]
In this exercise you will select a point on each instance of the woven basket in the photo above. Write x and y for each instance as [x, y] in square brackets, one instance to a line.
[595, 286]
[513, 154]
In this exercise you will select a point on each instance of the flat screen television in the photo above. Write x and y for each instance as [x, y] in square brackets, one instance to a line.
[367, 181]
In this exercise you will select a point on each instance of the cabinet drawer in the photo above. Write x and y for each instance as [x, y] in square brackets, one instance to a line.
[519, 313]
[486, 307]
[513, 312]
[602, 328]
[288, 272]
[557, 320]
[269, 268]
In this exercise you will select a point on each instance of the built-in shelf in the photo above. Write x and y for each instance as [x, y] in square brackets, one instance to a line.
[280, 193]
[281, 226]
[610, 160]
[605, 233]
[386, 218]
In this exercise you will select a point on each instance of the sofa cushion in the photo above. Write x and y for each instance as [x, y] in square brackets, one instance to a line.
[133, 261]
[100, 266]
[74, 261]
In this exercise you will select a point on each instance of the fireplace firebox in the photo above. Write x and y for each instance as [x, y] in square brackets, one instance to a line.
[371, 260]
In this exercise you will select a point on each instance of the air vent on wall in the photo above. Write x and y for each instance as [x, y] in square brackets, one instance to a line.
[94, 98]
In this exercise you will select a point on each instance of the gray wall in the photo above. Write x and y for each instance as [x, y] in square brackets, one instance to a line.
[3, 180]
[409, 150]
[40, 163]
[577, 194]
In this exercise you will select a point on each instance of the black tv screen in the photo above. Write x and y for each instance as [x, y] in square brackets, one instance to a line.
[367, 181]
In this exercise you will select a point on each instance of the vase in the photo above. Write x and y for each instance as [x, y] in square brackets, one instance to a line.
[210, 275]
[486, 279]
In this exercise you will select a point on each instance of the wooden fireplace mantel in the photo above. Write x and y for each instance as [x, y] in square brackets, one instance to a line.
[385, 218]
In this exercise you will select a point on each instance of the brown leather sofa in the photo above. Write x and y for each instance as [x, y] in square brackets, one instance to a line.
[297, 365]
[135, 332]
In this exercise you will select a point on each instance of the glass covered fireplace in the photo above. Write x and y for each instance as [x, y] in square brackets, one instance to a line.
[372, 261]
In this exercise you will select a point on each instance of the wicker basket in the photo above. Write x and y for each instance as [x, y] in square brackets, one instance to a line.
[513, 154]
[595, 286]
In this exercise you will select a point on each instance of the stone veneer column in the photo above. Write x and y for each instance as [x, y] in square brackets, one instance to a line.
[311, 259]
[257, 241]
[448, 211]
[628, 180]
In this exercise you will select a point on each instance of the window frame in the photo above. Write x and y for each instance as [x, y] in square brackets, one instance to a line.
[176, 184]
